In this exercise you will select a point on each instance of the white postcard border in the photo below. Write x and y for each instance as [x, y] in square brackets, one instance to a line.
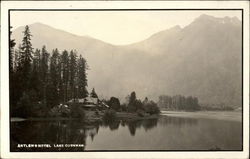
[5, 5]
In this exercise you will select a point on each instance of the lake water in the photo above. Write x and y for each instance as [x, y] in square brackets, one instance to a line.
[164, 133]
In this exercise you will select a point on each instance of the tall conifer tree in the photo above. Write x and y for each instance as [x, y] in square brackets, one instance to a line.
[65, 74]
[25, 59]
[44, 73]
[82, 77]
[72, 73]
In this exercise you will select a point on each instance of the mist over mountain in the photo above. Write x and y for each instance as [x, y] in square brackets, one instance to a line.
[202, 59]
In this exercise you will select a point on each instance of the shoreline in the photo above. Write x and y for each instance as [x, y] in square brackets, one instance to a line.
[219, 115]
[119, 116]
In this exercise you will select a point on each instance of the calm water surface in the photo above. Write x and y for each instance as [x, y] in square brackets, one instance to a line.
[164, 133]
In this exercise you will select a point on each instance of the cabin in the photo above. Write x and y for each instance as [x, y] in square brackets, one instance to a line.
[89, 103]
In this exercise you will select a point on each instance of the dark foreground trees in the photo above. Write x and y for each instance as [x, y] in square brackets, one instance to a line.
[40, 80]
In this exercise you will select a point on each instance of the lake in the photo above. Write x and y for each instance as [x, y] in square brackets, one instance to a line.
[171, 131]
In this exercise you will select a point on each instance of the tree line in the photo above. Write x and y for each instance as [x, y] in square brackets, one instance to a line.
[134, 105]
[40, 80]
[178, 102]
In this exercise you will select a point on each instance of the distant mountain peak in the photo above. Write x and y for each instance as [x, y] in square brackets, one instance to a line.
[205, 16]
[38, 24]
[208, 18]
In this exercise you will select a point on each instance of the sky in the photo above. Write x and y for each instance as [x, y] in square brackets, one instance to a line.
[115, 27]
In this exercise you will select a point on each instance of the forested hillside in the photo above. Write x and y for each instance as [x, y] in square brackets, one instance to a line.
[202, 60]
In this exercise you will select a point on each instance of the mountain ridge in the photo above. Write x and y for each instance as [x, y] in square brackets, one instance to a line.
[202, 59]
[202, 17]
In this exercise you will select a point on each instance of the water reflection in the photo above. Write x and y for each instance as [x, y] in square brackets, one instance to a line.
[112, 125]
[66, 132]
[164, 133]
[178, 121]
[146, 124]
[132, 125]
[60, 132]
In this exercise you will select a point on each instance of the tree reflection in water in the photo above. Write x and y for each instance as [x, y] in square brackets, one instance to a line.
[66, 132]
[56, 132]
[132, 125]
[146, 124]
[182, 133]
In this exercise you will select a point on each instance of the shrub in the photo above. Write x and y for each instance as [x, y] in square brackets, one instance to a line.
[60, 110]
[27, 105]
[136, 105]
[124, 108]
[152, 108]
[114, 103]
[77, 112]
[140, 113]
[24, 105]
[109, 115]
[96, 112]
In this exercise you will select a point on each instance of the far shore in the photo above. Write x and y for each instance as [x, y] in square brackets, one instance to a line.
[219, 115]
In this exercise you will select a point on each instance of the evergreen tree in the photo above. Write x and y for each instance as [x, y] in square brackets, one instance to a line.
[35, 76]
[22, 77]
[60, 79]
[41, 81]
[82, 78]
[25, 59]
[72, 74]
[11, 53]
[16, 58]
[54, 78]
[132, 98]
[132, 102]
[15, 82]
[145, 101]
[44, 74]
[65, 74]
[93, 93]
[11, 69]
[114, 103]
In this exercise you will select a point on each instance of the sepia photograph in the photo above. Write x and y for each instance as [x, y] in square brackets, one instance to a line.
[125, 80]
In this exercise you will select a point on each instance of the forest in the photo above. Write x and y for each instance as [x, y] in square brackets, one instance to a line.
[179, 102]
[40, 80]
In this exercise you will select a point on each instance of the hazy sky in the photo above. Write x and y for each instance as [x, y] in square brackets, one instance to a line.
[115, 27]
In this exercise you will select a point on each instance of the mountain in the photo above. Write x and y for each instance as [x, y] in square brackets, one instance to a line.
[202, 59]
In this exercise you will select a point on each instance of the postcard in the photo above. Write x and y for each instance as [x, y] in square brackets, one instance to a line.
[124, 79]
